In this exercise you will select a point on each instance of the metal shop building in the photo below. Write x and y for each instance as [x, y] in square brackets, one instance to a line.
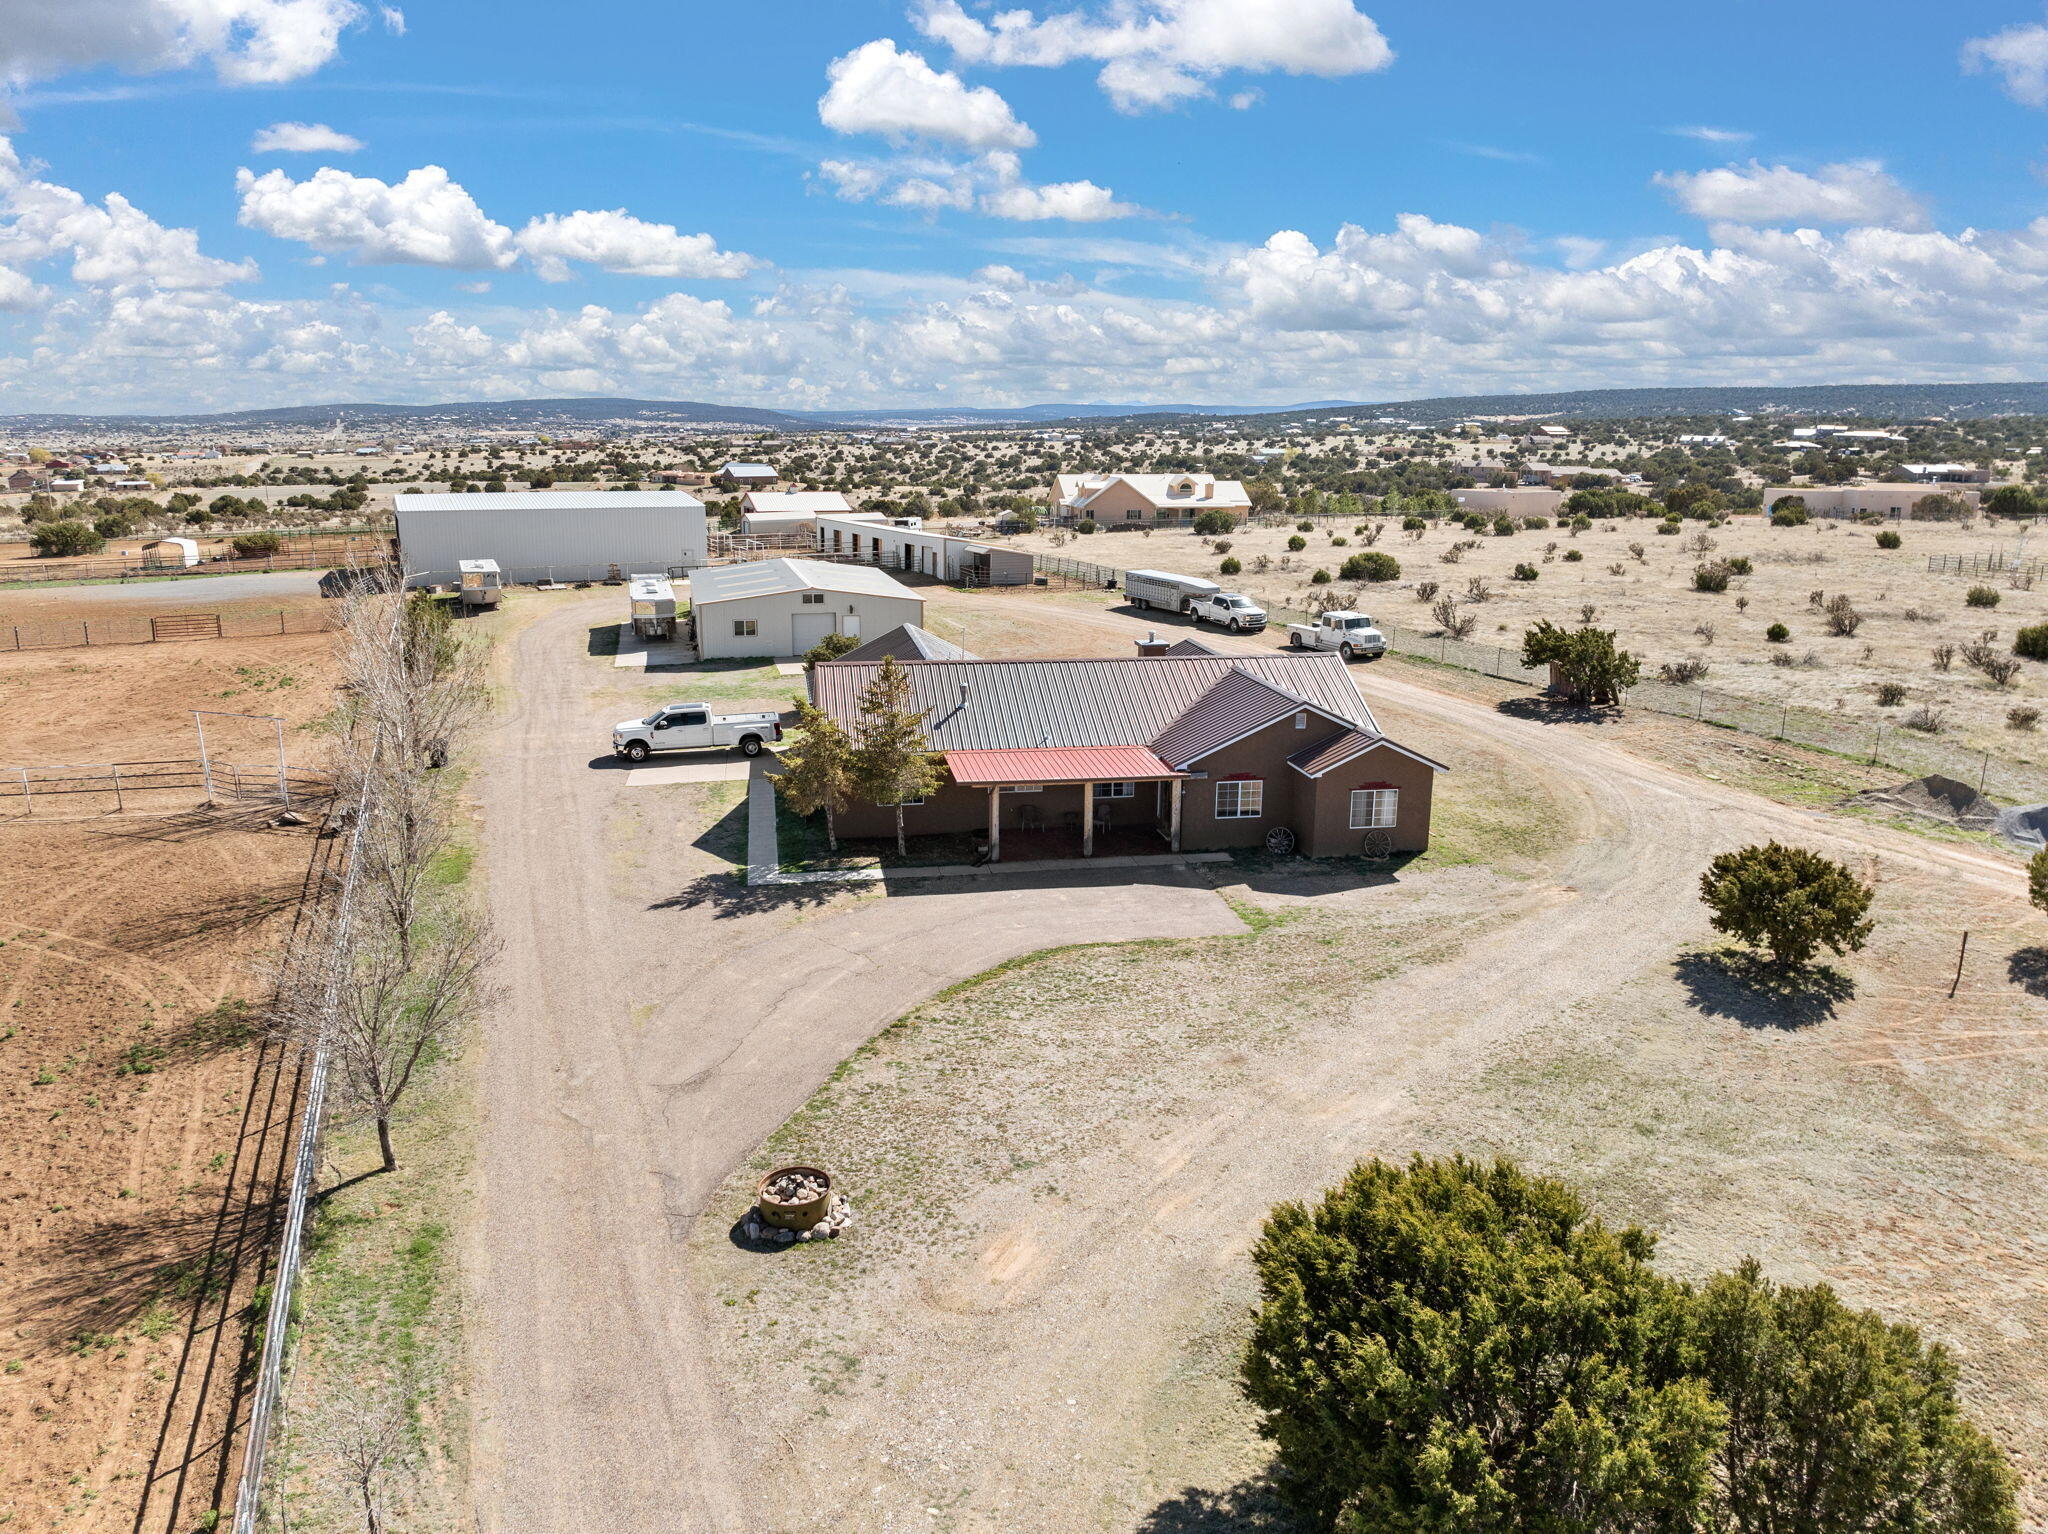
[538, 535]
[785, 606]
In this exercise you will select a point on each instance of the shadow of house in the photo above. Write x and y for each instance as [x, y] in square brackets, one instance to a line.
[1756, 993]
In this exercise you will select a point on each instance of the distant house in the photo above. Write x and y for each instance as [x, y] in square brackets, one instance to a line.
[1194, 750]
[747, 476]
[25, 479]
[1889, 500]
[792, 511]
[1145, 500]
[1946, 473]
[67, 486]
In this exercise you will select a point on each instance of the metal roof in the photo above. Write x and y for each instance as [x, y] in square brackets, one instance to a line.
[1106, 701]
[1333, 751]
[549, 500]
[807, 502]
[776, 577]
[1056, 764]
[1190, 647]
[1235, 706]
[908, 642]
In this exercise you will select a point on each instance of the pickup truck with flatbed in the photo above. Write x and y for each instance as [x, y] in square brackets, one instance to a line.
[1351, 635]
[693, 727]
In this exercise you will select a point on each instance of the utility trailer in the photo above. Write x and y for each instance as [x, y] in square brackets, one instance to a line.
[653, 599]
[1170, 593]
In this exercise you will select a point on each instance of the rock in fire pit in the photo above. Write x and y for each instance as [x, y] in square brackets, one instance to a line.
[798, 1203]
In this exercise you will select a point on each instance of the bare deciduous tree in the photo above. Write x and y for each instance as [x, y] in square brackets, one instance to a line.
[366, 1443]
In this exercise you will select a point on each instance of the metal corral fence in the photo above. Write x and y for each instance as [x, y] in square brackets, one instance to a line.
[57, 789]
[69, 634]
[316, 554]
[1986, 564]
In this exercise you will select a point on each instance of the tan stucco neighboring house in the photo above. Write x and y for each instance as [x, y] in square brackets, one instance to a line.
[1146, 500]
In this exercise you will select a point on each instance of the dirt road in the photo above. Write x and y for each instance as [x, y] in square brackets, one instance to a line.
[657, 1028]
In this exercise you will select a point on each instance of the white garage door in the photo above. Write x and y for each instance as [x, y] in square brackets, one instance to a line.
[808, 629]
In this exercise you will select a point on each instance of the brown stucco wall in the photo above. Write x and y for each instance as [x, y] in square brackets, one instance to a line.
[1330, 834]
[1264, 755]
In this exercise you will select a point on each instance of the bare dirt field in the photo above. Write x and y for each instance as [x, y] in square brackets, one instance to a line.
[142, 1135]
[1059, 1168]
[1906, 611]
[135, 702]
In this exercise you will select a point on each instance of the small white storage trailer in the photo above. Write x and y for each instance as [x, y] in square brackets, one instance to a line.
[1173, 593]
[482, 585]
[653, 599]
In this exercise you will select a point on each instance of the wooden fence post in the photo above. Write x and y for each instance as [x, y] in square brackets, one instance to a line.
[119, 805]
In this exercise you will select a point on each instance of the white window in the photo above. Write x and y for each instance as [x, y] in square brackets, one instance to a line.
[1375, 809]
[1116, 790]
[743, 628]
[1240, 798]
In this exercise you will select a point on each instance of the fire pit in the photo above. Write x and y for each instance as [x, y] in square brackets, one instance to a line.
[797, 1203]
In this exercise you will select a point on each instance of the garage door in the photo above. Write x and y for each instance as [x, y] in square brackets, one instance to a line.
[809, 629]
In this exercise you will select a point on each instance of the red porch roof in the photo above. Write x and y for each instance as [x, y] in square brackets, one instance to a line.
[1056, 764]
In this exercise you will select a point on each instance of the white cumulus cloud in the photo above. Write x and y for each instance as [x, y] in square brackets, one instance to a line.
[248, 42]
[2018, 56]
[1078, 202]
[1155, 53]
[303, 138]
[1851, 192]
[617, 242]
[894, 93]
[425, 220]
[994, 183]
[111, 244]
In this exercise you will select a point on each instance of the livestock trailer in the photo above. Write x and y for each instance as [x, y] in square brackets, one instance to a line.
[653, 599]
[1156, 588]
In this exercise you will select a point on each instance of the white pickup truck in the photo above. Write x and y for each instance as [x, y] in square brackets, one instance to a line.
[692, 727]
[1230, 609]
[1351, 635]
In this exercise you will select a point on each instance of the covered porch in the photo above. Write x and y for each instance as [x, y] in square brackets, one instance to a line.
[1093, 793]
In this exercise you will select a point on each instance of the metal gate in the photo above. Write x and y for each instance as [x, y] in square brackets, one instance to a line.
[185, 626]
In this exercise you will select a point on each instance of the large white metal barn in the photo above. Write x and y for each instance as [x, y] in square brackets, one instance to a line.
[564, 535]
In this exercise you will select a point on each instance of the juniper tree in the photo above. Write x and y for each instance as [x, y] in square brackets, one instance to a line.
[1787, 900]
[817, 767]
[891, 759]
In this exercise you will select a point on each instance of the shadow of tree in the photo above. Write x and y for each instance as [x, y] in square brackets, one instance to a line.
[1543, 709]
[1250, 1507]
[602, 639]
[1757, 993]
[2027, 968]
[728, 895]
[244, 911]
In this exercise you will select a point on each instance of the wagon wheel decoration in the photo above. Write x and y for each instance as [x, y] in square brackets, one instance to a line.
[1280, 840]
[1379, 845]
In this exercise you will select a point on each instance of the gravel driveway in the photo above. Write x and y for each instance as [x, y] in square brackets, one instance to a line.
[656, 1029]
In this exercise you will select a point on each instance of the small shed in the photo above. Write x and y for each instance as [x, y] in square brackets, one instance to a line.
[170, 554]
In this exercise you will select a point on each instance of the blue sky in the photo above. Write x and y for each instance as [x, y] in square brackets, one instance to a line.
[852, 202]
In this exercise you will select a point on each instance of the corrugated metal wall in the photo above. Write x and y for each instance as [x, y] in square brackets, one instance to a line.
[536, 543]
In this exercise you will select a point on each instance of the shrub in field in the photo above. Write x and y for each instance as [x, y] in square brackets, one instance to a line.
[2022, 718]
[1926, 720]
[1670, 529]
[1455, 624]
[1222, 546]
[1738, 564]
[1320, 578]
[1535, 524]
[1777, 633]
[1788, 511]
[1297, 543]
[1981, 596]
[1230, 567]
[1639, 553]
[57, 540]
[1372, 566]
[1413, 524]
[1888, 539]
[1581, 524]
[1425, 591]
[1085, 526]
[2031, 642]
[115, 524]
[1210, 524]
[1525, 572]
[1573, 556]
[1684, 673]
[1945, 506]
[1944, 656]
[2037, 879]
[1711, 575]
[1503, 527]
[1843, 619]
[1337, 542]
[1787, 901]
[1304, 527]
[1890, 694]
[1590, 669]
[256, 545]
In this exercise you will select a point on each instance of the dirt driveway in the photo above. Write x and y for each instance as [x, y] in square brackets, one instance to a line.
[661, 1021]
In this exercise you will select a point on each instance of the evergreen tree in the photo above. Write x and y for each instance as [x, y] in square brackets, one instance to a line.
[1788, 900]
[817, 767]
[891, 759]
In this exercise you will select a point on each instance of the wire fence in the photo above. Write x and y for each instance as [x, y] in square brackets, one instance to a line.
[71, 634]
[1986, 564]
[316, 554]
[98, 788]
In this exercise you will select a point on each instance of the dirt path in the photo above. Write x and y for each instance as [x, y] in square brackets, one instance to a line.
[656, 1030]
[1029, 1367]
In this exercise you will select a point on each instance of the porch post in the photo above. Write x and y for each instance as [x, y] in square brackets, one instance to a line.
[1087, 820]
[1174, 838]
[995, 825]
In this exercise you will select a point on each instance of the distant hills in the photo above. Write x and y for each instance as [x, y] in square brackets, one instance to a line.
[1869, 401]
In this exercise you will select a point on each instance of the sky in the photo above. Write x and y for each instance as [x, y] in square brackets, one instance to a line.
[809, 204]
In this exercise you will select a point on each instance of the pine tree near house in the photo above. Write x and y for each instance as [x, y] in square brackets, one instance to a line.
[817, 767]
[891, 759]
